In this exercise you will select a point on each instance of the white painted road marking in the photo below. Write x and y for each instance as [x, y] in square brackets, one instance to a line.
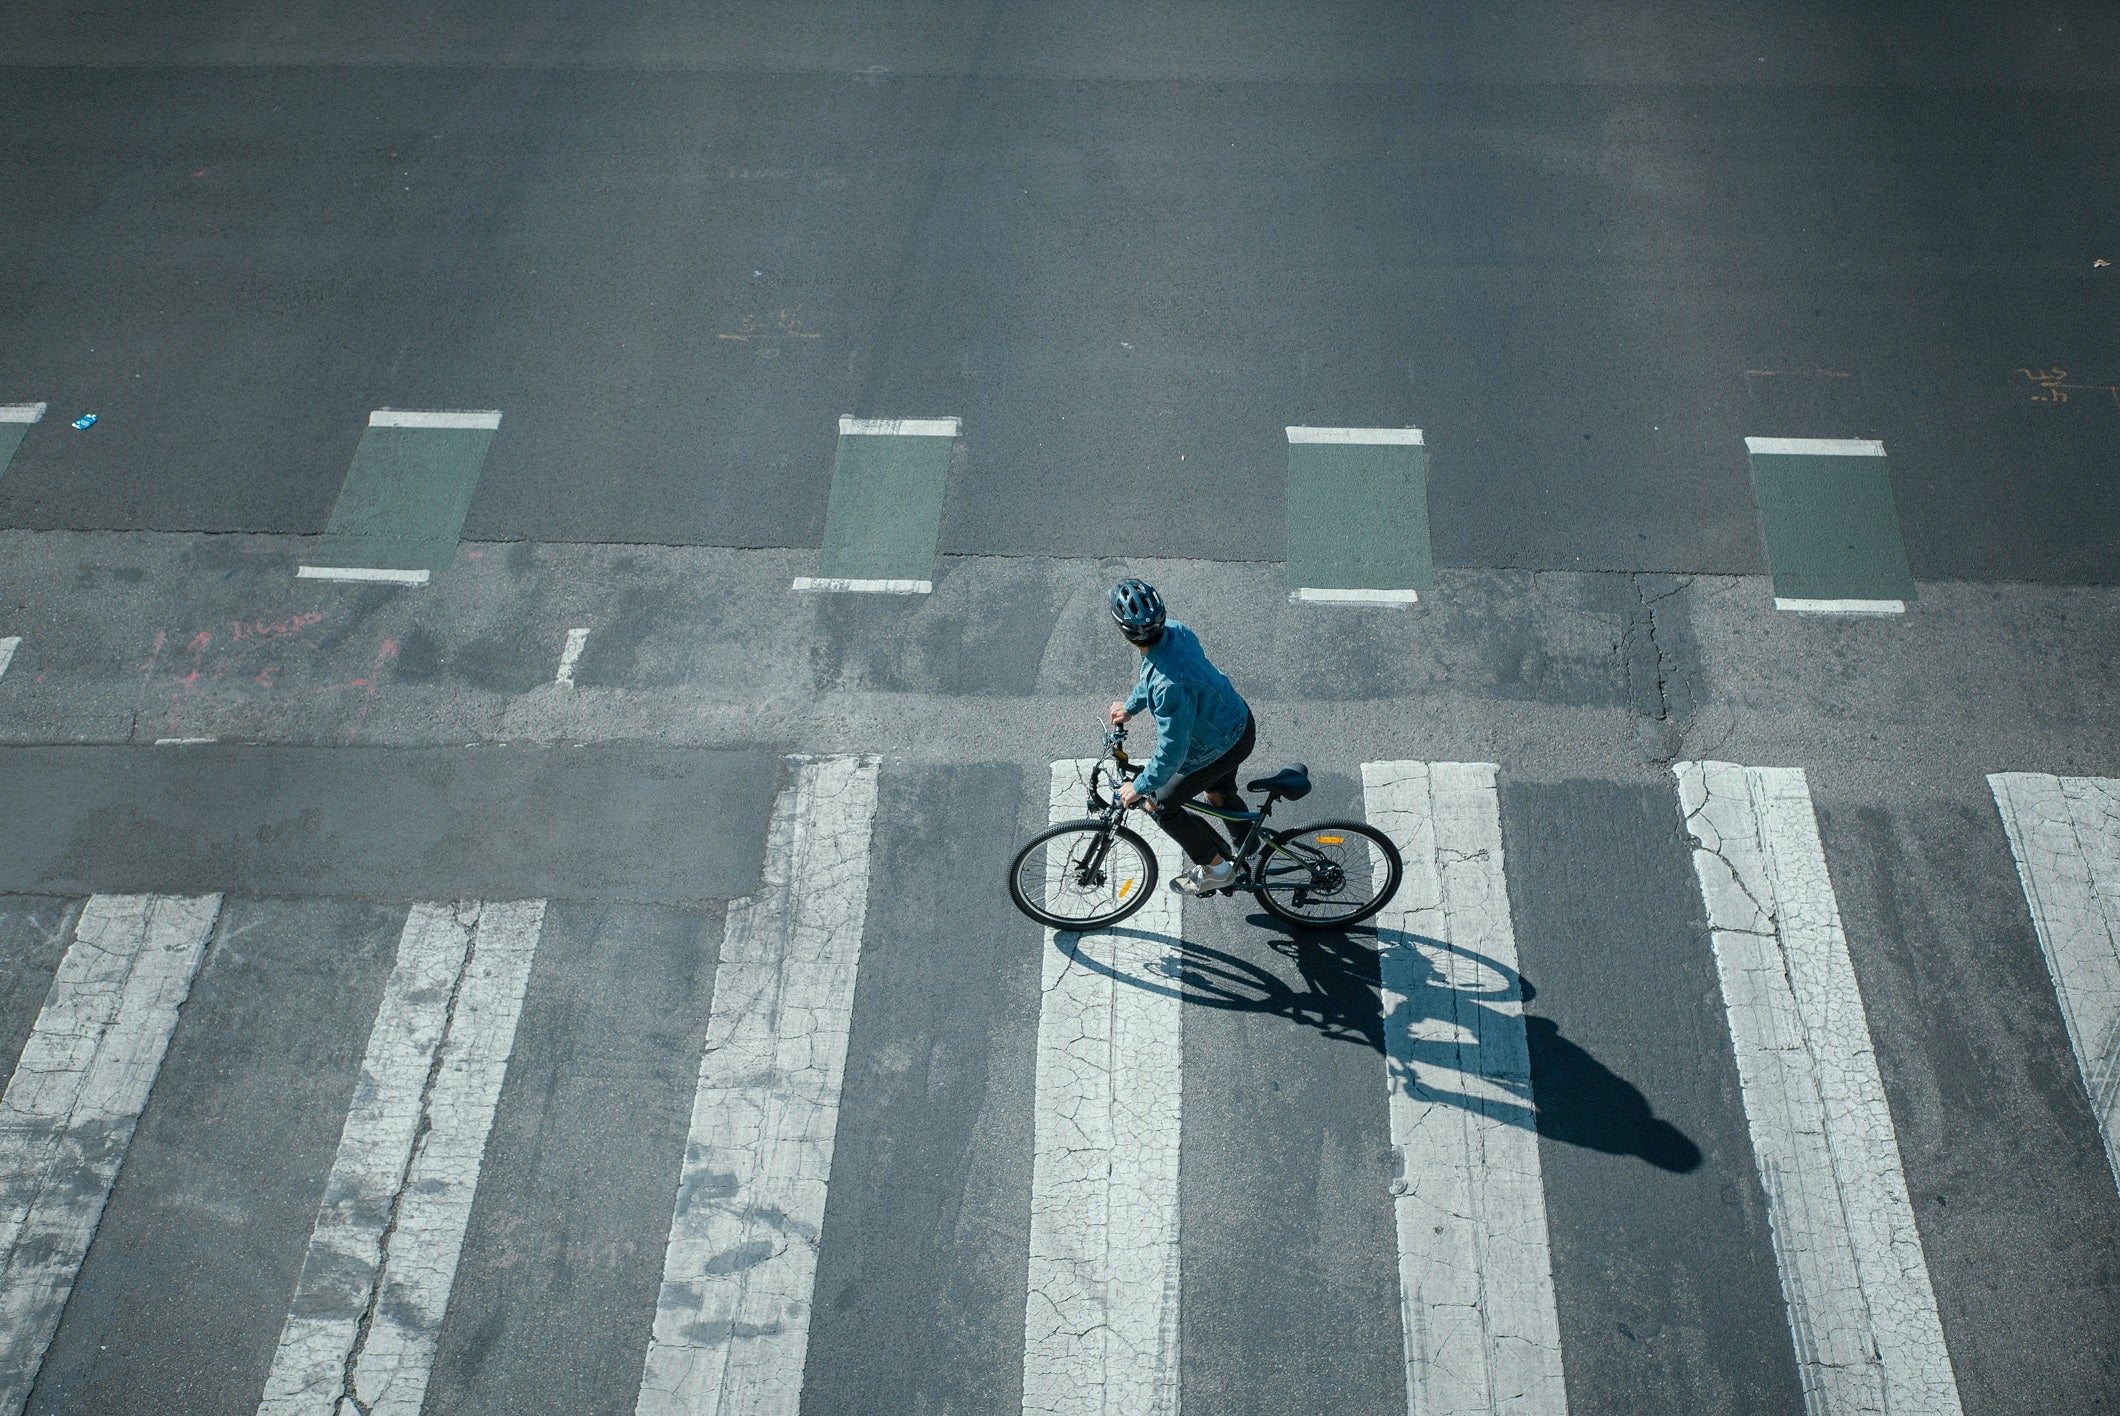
[1840, 607]
[8, 646]
[732, 1322]
[183, 741]
[442, 418]
[2065, 833]
[74, 1099]
[1410, 437]
[21, 412]
[1475, 1266]
[368, 1307]
[1353, 597]
[1100, 1328]
[870, 587]
[901, 427]
[576, 638]
[340, 572]
[1861, 1308]
[1815, 447]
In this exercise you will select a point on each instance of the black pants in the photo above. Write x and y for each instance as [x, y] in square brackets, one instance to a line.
[1199, 840]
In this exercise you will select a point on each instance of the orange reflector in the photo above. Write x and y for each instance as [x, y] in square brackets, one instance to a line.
[1125, 888]
[1331, 840]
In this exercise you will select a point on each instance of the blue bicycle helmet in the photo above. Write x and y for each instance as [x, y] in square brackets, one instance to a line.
[1138, 611]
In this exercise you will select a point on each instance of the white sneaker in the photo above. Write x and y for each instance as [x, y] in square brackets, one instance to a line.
[1205, 879]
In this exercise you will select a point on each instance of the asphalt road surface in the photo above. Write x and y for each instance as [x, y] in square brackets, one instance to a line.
[569, 970]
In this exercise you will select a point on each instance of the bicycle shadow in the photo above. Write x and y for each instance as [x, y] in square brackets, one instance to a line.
[1447, 1035]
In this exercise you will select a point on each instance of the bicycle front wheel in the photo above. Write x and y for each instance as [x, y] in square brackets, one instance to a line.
[1330, 875]
[1082, 875]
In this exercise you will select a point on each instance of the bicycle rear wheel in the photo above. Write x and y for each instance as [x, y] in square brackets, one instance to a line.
[1082, 875]
[1328, 875]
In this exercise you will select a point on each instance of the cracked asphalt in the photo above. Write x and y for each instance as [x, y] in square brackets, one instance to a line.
[1587, 249]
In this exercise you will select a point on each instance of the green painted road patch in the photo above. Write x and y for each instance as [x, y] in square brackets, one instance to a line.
[883, 521]
[402, 508]
[1358, 514]
[15, 419]
[1832, 531]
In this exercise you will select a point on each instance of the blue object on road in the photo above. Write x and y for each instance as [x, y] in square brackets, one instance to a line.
[86, 420]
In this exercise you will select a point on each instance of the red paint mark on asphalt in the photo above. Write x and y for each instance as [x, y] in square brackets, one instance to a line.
[276, 629]
[267, 676]
[199, 642]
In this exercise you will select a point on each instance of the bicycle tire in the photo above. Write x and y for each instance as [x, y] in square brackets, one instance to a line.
[1281, 904]
[1130, 895]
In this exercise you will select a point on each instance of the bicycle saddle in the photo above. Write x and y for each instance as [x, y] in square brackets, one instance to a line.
[1290, 782]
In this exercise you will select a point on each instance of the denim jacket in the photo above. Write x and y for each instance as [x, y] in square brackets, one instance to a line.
[1199, 716]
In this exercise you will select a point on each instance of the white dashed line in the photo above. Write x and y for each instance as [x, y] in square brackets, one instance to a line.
[1353, 597]
[74, 1099]
[732, 1321]
[901, 427]
[1840, 607]
[2065, 834]
[576, 638]
[1476, 1303]
[8, 646]
[382, 1258]
[22, 412]
[1861, 1308]
[1101, 1321]
[1815, 447]
[1410, 437]
[183, 741]
[443, 418]
[340, 572]
[868, 587]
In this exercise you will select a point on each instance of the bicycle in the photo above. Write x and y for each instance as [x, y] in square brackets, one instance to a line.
[1095, 872]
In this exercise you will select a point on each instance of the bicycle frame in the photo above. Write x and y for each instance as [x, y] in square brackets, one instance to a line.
[1252, 846]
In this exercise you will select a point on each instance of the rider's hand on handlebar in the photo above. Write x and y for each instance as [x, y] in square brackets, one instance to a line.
[1129, 797]
[1118, 715]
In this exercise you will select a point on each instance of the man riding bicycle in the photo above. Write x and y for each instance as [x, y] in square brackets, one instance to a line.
[1203, 733]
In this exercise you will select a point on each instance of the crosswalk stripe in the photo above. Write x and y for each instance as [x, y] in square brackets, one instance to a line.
[2065, 834]
[732, 1320]
[1475, 1265]
[382, 1258]
[1853, 1274]
[1100, 1327]
[74, 1099]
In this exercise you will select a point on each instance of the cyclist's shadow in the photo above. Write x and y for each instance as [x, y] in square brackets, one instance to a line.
[1445, 1033]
